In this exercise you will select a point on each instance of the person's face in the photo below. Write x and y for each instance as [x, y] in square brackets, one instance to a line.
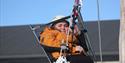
[62, 27]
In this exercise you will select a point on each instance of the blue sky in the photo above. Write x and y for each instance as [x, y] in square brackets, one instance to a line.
[22, 12]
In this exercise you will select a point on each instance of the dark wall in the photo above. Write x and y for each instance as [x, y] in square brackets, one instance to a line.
[19, 45]
[19, 42]
[109, 38]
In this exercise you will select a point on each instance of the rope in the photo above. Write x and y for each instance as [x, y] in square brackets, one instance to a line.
[68, 33]
[99, 30]
[38, 42]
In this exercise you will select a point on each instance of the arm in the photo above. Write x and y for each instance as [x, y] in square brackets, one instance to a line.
[82, 41]
[51, 41]
[50, 49]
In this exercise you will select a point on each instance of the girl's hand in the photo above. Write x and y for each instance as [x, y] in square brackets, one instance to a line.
[79, 48]
[76, 30]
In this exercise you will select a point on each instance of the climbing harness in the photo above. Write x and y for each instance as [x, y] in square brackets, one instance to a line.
[62, 56]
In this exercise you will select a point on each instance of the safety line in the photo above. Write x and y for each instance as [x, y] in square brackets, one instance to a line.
[99, 30]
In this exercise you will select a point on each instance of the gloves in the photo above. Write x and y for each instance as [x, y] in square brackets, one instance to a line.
[64, 47]
[79, 48]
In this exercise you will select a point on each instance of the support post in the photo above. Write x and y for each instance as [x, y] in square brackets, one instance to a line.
[122, 34]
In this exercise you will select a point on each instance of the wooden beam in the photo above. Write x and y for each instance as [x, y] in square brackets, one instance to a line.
[122, 34]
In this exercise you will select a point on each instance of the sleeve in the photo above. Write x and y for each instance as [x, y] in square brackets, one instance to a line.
[50, 49]
[82, 42]
[54, 39]
[62, 36]
[48, 42]
[49, 39]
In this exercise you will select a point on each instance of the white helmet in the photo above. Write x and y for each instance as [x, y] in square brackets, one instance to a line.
[59, 18]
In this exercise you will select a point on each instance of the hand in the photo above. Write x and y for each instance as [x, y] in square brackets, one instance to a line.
[76, 30]
[64, 47]
[79, 48]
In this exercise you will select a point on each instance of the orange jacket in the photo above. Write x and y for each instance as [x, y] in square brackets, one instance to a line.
[53, 38]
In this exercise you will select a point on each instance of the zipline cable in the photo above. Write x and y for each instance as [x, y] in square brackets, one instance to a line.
[99, 30]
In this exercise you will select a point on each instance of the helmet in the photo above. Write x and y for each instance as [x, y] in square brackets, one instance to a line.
[59, 18]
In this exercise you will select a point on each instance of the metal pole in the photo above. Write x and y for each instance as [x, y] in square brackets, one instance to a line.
[38, 42]
[122, 34]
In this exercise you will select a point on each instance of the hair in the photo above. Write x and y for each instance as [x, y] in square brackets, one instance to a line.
[54, 23]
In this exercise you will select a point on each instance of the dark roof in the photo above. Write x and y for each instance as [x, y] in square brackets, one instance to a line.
[20, 42]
